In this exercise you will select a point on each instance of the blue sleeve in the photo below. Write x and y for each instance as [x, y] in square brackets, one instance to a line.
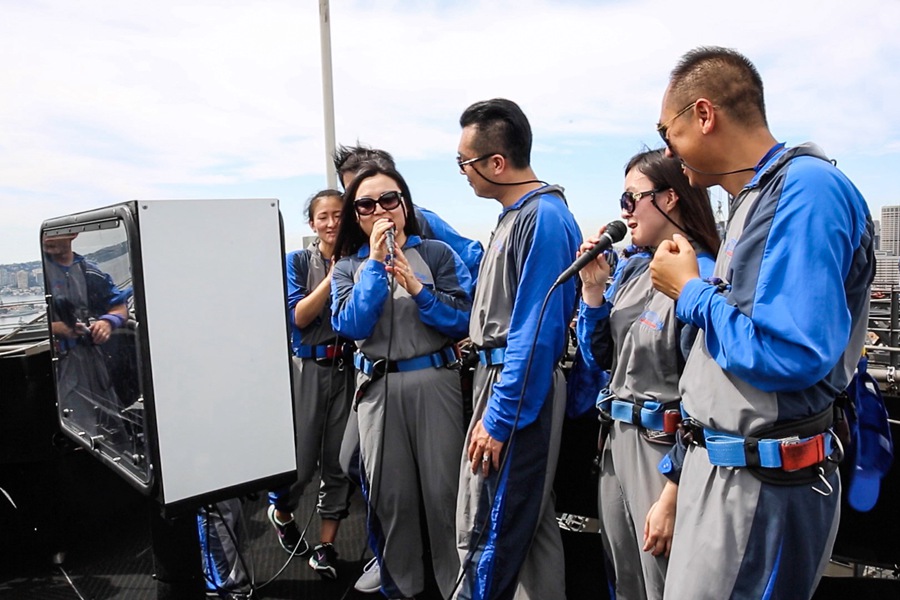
[103, 293]
[447, 305]
[356, 307]
[772, 331]
[592, 327]
[545, 240]
[470, 251]
[297, 270]
[592, 331]
[688, 332]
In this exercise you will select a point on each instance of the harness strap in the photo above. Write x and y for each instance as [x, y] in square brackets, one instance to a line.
[492, 356]
[327, 351]
[651, 415]
[441, 358]
[788, 454]
[784, 447]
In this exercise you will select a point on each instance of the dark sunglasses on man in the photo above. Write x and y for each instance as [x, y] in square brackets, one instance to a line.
[388, 200]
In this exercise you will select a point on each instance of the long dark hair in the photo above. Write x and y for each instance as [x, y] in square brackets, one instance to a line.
[697, 218]
[351, 237]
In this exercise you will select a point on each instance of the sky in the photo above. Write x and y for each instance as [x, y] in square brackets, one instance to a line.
[104, 101]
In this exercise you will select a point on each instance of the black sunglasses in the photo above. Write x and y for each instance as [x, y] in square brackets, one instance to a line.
[629, 199]
[464, 163]
[388, 201]
[663, 128]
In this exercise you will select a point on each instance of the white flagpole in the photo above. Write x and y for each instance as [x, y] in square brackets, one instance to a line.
[327, 90]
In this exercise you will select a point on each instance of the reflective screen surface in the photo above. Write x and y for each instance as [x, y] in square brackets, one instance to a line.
[88, 277]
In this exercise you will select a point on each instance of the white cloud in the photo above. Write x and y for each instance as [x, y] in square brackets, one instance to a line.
[106, 100]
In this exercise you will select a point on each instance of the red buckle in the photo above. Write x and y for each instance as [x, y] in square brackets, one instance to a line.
[798, 455]
[671, 420]
[331, 351]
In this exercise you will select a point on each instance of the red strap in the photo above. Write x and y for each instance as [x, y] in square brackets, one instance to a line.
[798, 455]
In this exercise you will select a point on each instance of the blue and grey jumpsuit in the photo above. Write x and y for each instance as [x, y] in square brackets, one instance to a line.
[777, 346]
[410, 419]
[323, 390]
[637, 336]
[508, 538]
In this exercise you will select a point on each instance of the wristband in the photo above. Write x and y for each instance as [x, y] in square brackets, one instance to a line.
[115, 320]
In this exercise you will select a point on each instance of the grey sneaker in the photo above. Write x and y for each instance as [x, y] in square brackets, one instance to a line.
[370, 580]
[288, 535]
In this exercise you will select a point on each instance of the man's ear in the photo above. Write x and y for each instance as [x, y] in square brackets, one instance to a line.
[706, 114]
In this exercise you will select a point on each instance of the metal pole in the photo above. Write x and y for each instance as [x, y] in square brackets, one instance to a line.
[327, 90]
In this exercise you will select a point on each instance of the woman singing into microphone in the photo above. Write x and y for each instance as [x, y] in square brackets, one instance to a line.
[631, 329]
[405, 311]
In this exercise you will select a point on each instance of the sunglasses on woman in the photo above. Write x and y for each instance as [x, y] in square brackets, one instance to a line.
[366, 206]
[629, 199]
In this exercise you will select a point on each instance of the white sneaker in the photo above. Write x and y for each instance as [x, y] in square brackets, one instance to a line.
[370, 580]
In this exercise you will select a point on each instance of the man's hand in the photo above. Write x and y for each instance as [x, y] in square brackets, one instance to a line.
[483, 450]
[100, 331]
[673, 265]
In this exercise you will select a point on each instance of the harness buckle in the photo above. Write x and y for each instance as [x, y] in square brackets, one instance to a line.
[692, 432]
[671, 420]
[379, 368]
[797, 454]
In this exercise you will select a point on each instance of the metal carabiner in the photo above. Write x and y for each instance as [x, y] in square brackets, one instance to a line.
[840, 447]
[825, 481]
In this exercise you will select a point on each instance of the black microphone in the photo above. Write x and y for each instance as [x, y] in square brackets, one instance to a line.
[389, 240]
[615, 231]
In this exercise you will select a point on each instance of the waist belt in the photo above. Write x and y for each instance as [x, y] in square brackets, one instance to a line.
[789, 454]
[651, 415]
[492, 356]
[441, 358]
[329, 351]
[787, 447]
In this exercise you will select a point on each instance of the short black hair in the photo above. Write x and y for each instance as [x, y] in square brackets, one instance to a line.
[351, 159]
[502, 129]
[724, 76]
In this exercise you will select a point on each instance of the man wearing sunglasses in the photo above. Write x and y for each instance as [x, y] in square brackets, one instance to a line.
[782, 326]
[508, 537]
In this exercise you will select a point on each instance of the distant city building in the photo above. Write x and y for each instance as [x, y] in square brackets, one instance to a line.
[22, 280]
[877, 223]
[887, 268]
[890, 230]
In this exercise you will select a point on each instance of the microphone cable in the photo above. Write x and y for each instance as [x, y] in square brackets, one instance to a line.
[375, 484]
[330, 399]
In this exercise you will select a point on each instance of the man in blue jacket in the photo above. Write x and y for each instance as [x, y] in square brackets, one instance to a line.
[508, 538]
[783, 324]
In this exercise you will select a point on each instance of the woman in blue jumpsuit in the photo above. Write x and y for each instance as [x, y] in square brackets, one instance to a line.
[631, 329]
[405, 301]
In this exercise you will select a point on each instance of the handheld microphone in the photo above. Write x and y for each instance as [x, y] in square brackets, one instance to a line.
[389, 240]
[615, 231]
